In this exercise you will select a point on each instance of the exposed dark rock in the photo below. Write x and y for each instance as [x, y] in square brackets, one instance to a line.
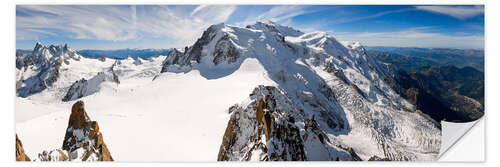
[225, 51]
[82, 142]
[376, 158]
[83, 87]
[268, 127]
[83, 133]
[77, 90]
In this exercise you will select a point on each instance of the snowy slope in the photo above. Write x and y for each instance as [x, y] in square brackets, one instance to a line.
[165, 119]
[175, 107]
[335, 82]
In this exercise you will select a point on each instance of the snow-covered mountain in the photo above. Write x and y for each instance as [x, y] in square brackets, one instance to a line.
[336, 83]
[70, 76]
[260, 92]
[41, 68]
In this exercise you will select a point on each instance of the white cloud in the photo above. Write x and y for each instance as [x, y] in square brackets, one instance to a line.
[351, 19]
[197, 9]
[414, 37]
[459, 12]
[281, 13]
[82, 22]
[118, 22]
[185, 27]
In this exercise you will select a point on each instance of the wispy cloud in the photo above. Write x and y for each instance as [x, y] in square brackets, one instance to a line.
[340, 17]
[459, 12]
[118, 22]
[181, 25]
[82, 22]
[281, 13]
[414, 37]
[184, 26]
[379, 14]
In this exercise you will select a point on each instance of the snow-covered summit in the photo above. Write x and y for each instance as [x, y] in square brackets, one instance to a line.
[41, 68]
[46, 54]
[335, 82]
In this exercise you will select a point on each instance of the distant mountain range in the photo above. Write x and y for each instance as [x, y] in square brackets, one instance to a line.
[123, 53]
[114, 54]
[412, 59]
[446, 84]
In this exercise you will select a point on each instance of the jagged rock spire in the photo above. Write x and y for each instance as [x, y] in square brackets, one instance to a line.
[83, 133]
[83, 140]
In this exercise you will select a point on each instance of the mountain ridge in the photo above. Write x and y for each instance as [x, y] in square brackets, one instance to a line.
[293, 53]
[335, 88]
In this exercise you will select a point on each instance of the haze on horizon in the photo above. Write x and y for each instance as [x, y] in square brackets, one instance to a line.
[107, 27]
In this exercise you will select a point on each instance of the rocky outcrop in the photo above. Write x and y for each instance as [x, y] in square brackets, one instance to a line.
[83, 87]
[20, 155]
[272, 128]
[225, 51]
[55, 155]
[217, 44]
[83, 140]
[77, 90]
[173, 57]
[376, 158]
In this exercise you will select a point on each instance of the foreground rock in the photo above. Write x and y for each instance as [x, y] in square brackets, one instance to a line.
[20, 155]
[83, 139]
[82, 142]
[272, 128]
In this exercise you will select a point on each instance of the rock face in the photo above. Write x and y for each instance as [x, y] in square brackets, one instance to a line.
[55, 155]
[83, 140]
[20, 155]
[83, 87]
[271, 127]
[222, 50]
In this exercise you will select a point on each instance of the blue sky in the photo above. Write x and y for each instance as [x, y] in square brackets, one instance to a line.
[167, 26]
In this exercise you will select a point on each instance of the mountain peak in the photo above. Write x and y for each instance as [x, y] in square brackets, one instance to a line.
[275, 27]
[352, 44]
[47, 60]
[38, 45]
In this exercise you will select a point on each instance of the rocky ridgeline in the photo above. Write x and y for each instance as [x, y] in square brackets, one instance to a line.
[224, 50]
[83, 141]
[84, 87]
[46, 62]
